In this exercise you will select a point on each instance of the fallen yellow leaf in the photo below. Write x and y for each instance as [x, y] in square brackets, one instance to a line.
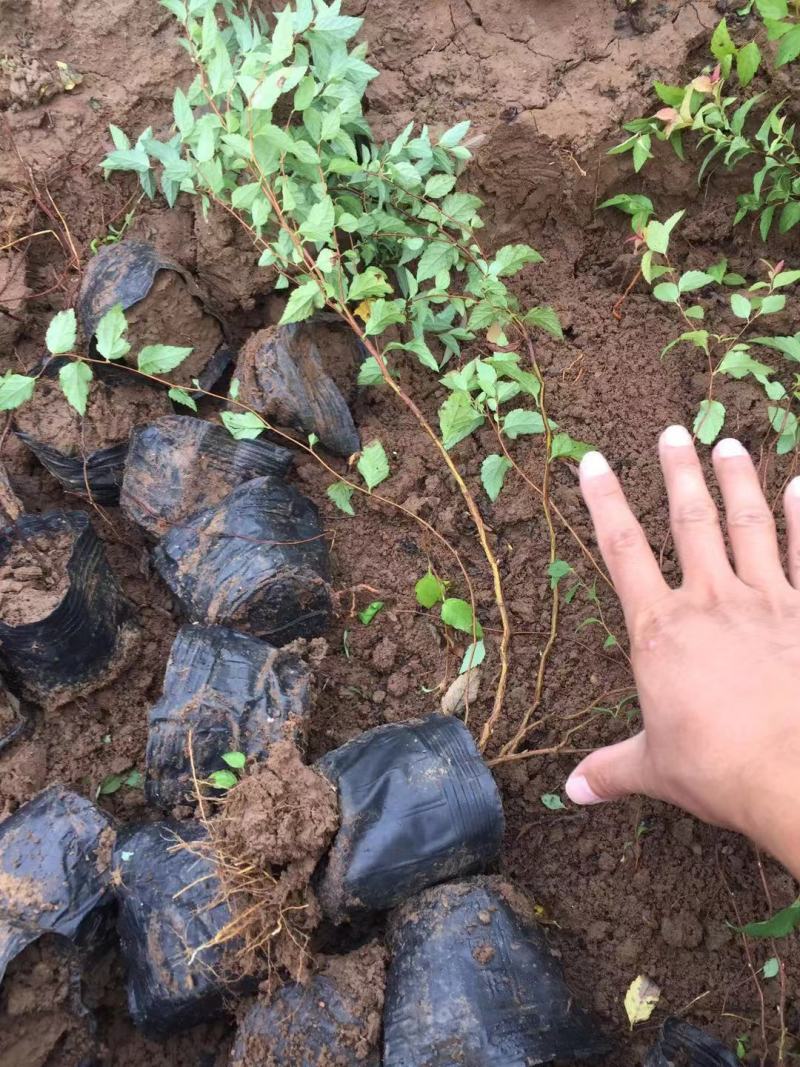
[641, 999]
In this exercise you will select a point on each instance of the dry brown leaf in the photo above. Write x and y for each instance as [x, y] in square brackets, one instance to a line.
[463, 690]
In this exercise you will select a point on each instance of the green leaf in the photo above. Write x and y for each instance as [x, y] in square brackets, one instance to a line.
[243, 425]
[773, 303]
[369, 373]
[180, 396]
[110, 785]
[473, 657]
[789, 48]
[657, 233]
[372, 282]
[493, 474]
[109, 334]
[558, 570]
[370, 611]
[666, 291]
[119, 137]
[721, 43]
[319, 223]
[340, 494]
[790, 216]
[773, 9]
[565, 447]
[302, 302]
[672, 95]
[438, 255]
[429, 590]
[222, 779]
[748, 60]
[741, 306]
[159, 359]
[771, 968]
[450, 138]
[282, 36]
[15, 389]
[511, 258]
[74, 378]
[182, 112]
[699, 338]
[235, 760]
[373, 466]
[520, 421]
[458, 614]
[61, 332]
[781, 924]
[458, 418]
[135, 780]
[439, 185]
[786, 277]
[553, 802]
[789, 346]
[694, 279]
[384, 313]
[709, 421]
[641, 151]
[244, 196]
[546, 319]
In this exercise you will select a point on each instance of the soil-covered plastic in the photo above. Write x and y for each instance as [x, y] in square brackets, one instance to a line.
[418, 805]
[281, 372]
[258, 562]
[65, 627]
[86, 454]
[682, 1045]
[472, 981]
[54, 871]
[170, 907]
[223, 692]
[165, 305]
[178, 465]
[333, 1021]
[15, 717]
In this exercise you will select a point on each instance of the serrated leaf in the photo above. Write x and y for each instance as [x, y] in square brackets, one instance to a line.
[721, 43]
[372, 282]
[318, 225]
[61, 332]
[520, 421]
[557, 571]
[109, 334]
[565, 447]
[370, 611]
[694, 279]
[15, 389]
[439, 185]
[741, 306]
[668, 292]
[748, 60]
[382, 314]
[159, 359]
[243, 425]
[789, 48]
[235, 760]
[640, 1000]
[553, 802]
[302, 303]
[789, 217]
[373, 466]
[340, 493]
[473, 657]
[546, 319]
[182, 113]
[180, 396]
[74, 378]
[438, 255]
[511, 258]
[458, 418]
[709, 421]
[370, 373]
[450, 138]
[458, 614]
[493, 474]
[771, 968]
[429, 590]
[773, 9]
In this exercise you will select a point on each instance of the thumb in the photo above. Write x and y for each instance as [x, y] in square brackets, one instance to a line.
[609, 773]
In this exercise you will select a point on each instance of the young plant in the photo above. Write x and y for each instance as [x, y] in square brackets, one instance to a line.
[731, 350]
[559, 571]
[729, 124]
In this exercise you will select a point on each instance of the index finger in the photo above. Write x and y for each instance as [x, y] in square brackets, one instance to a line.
[622, 542]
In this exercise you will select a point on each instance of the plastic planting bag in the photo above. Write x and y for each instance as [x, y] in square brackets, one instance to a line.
[333, 1021]
[682, 1045]
[223, 692]
[417, 805]
[54, 871]
[101, 470]
[65, 627]
[473, 982]
[164, 304]
[258, 561]
[169, 908]
[281, 373]
[178, 465]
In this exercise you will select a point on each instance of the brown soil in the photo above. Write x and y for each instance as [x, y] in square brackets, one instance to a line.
[630, 888]
[278, 822]
[34, 578]
[170, 315]
[112, 411]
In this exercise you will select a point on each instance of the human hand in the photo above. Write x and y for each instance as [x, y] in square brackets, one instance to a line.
[717, 661]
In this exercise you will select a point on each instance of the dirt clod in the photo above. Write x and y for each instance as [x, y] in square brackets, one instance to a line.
[34, 578]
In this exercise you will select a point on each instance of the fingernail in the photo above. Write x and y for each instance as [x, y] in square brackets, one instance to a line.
[579, 791]
[729, 447]
[676, 437]
[793, 488]
[593, 465]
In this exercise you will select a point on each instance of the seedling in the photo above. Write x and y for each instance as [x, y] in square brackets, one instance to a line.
[227, 779]
[553, 802]
[558, 571]
[370, 611]
[131, 778]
